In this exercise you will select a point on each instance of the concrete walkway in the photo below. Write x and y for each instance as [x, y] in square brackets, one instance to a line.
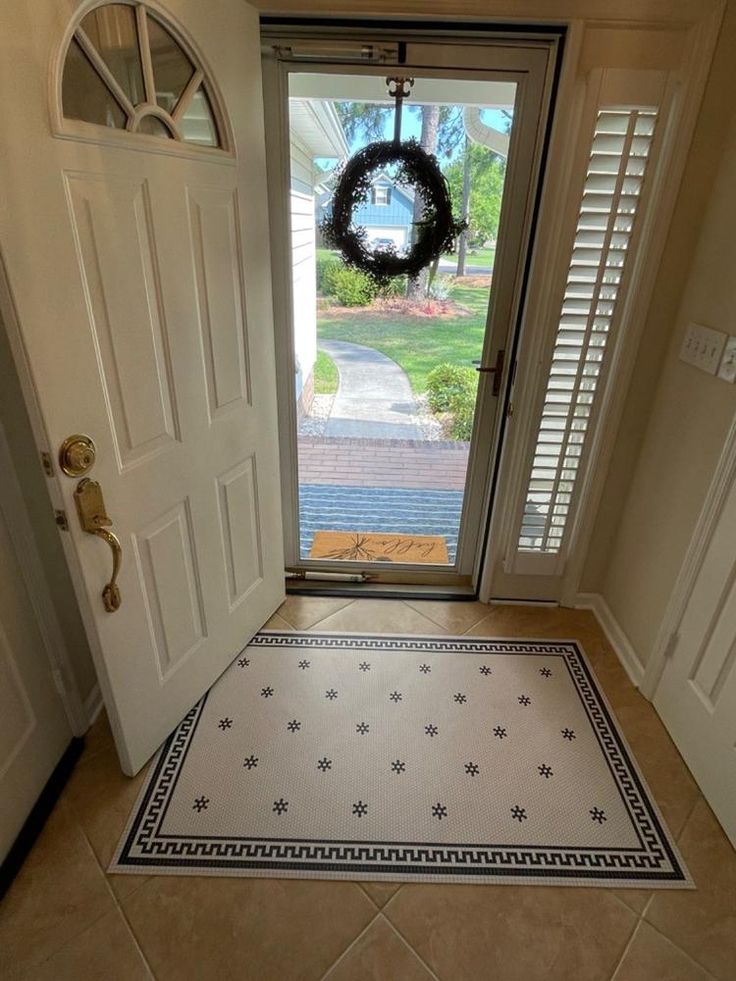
[374, 399]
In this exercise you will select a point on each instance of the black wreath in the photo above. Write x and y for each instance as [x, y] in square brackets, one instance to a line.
[435, 232]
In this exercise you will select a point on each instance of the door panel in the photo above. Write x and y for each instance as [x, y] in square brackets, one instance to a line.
[696, 696]
[34, 730]
[153, 334]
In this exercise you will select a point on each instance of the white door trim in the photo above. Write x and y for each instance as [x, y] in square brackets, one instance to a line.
[715, 500]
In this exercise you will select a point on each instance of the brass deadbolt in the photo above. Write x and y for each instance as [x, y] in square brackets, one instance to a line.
[77, 455]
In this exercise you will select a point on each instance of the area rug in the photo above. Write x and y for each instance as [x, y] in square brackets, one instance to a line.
[405, 758]
[379, 547]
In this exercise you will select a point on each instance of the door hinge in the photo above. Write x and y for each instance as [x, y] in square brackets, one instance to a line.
[671, 644]
[47, 463]
[61, 520]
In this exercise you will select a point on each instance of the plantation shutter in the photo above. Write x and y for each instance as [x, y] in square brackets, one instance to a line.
[612, 190]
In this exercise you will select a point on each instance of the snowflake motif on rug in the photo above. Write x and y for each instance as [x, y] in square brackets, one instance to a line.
[500, 732]
[331, 694]
[431, 730]
[518, 813]
[362, 728]
[364, 666]
[294, 726]
[472, 769]
[596, 814]
[250, 762]
[545, 771]
[243, 662]
[280, 806]
[305, 664]
[200, 804]
[524, 700]
[484, 669]
[267, 692]
[360, 809]
[439, 811]
[460, 698]
[395, 696]
[398, 766]
[324, 764]
[425, 668]
[545, 672]
[225, 724]
[568, 733]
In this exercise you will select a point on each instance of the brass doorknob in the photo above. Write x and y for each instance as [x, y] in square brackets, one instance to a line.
[77, 455]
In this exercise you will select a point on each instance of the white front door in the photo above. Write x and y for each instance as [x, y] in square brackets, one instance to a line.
[696, 696]
[134, 232]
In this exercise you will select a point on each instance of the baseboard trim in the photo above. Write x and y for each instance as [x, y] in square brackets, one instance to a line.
[614, 632]
[93, 704]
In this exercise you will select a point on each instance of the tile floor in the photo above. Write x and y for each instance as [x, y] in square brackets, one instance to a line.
[65, 918]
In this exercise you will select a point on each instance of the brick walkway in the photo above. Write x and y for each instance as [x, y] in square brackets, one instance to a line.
[406, 463]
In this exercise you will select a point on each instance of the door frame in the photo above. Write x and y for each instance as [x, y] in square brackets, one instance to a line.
[485, 457]
[723, 480]
[79, 713]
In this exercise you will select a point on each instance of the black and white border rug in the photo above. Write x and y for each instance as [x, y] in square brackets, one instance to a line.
[404, 758]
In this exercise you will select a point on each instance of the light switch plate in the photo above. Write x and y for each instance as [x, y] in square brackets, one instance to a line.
[727, 370]
[702, 347]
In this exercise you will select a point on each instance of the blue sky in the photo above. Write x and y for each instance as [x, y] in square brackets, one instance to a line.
[411, 125]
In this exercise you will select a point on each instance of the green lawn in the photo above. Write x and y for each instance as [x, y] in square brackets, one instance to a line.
[326, 375]
[475, 257]
[418, 344]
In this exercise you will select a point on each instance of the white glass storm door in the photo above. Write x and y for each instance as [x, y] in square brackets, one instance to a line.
[389, 433]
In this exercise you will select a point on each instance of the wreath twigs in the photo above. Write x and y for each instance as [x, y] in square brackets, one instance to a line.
[435, 233]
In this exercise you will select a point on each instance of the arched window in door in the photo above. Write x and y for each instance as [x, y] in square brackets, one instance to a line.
[125, 69]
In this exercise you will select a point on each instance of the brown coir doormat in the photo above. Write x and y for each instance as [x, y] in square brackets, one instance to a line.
[351, 546]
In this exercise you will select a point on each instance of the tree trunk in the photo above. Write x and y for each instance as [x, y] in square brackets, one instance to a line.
[462, 245]
[428, 142]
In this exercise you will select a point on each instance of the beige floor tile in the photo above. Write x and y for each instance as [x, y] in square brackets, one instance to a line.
[221, 928]
[101, 797]
[98, 737]
[303, 612]
[57, 894]
[380, 616]
[380, 892]
[277, 622]
[457, 617]
[379, 955]
[105, 951]
[703, 922]
[513, 932]
[652, 956]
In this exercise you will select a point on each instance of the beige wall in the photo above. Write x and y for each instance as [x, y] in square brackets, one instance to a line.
[661, 471]
[28, 468]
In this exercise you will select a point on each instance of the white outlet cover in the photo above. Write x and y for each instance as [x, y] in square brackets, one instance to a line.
[727, 370]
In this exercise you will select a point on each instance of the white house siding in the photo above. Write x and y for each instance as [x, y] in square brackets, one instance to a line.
[303, 271]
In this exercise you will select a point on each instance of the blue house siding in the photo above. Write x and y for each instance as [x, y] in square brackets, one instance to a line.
[398, 212]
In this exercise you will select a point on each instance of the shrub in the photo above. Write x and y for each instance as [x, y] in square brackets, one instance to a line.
[351, 287]
[327, 266]
[440, 288]
[449, 382]
[463, 412]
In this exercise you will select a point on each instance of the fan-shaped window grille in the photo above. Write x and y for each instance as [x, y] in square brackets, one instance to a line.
[611, 195]
[125, 70]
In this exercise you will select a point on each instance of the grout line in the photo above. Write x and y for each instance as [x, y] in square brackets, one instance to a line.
[117, 902]
[352, 943]
[366, 893]
[437, 622]
[627, 948]
[406, 943]
[681, 951]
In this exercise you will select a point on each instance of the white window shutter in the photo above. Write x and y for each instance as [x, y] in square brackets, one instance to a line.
[612, 190]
